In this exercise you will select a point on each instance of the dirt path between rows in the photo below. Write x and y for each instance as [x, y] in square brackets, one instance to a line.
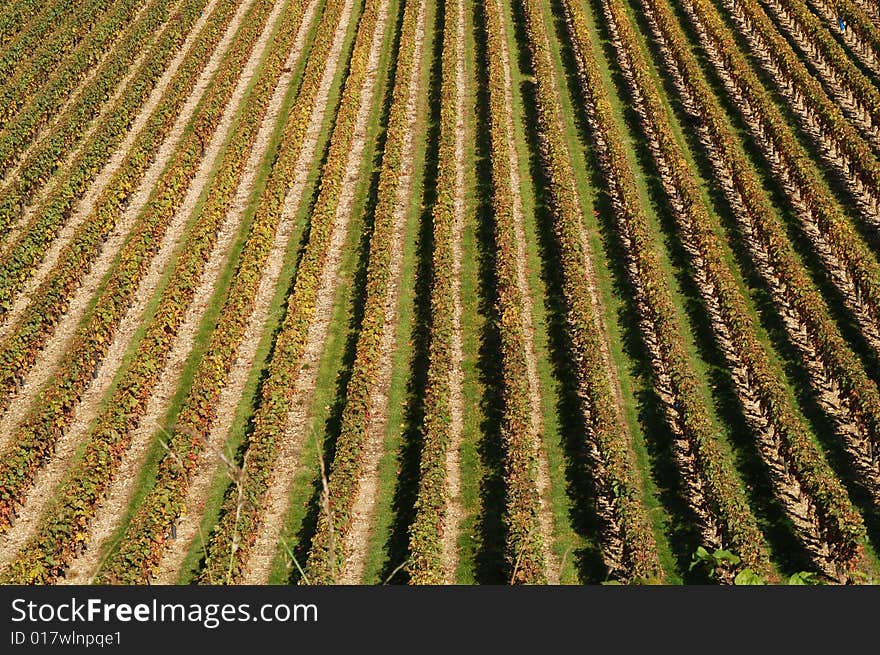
[545, 511]
[454, 514]
[357, 540]
[188, 525]
[86, 205]
[48, 478]
[48, 360]
[119, 496]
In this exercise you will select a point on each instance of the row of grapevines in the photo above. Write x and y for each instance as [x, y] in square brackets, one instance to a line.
[524, 547]
[823, 348]
[871, 8]
[235, 534]
[812, 36]
[859, 22]
[22, 44]
[65, 527]
[18, 18]
[845, 255]
[19, 350]
[31, 74]
[239, 523]
[858, 47]
[813, 497]
[14, 17]
[31, 100]
[822, 119]
[712, 488]
[143, 545]
[629, 548]
[326, 554]
[53, 410]
[425, 540]
[46, 158]
[19, 133]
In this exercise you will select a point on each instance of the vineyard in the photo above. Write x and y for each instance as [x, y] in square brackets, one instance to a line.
[417, 292]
